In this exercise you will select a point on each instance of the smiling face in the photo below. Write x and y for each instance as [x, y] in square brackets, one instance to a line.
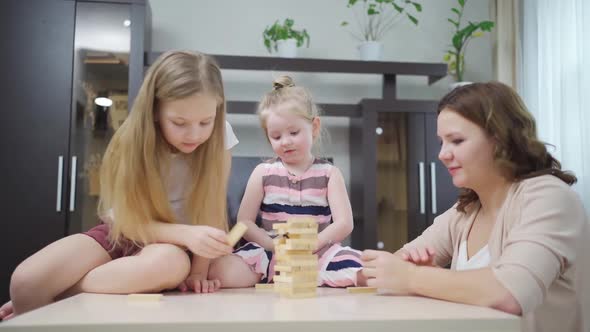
[188, 122]
[291, 136]
[466, 150]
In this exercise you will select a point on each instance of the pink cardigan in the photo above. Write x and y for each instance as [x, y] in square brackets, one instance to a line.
[539, 251]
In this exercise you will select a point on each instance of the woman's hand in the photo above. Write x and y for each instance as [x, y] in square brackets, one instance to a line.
[419, 256]
[388, 271]
[206, 241]
[199, 284]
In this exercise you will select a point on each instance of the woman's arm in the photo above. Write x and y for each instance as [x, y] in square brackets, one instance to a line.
[477, 287]
[342, 224]
[250, 207]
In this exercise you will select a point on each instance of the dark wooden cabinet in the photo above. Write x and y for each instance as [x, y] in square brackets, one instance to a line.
[50, 53]
[400, 184]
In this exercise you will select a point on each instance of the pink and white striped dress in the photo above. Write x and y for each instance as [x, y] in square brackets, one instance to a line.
[287, 195]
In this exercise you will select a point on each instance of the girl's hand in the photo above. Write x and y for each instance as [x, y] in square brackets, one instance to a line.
[386, 270]
[199, 284]
[419, 256]
[207, 242]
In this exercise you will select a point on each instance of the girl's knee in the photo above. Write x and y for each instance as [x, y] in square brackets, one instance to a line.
[232, 272]
[167, 263]
[24, 283]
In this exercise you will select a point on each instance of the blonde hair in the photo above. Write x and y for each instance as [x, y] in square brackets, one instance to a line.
[285, 96]
[137, 157]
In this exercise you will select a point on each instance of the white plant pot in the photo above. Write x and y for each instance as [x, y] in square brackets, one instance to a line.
[287, 48]
[454, 85]
[371, 50]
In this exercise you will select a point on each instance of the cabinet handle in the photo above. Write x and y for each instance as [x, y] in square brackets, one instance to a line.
[60, 170]
[433, 186]
[422, 194]
[73, 184]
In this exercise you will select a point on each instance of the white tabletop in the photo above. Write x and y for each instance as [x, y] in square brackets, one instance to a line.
[241, 310]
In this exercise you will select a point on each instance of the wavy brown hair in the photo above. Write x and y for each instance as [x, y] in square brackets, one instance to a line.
[501, 113]
[135, 164]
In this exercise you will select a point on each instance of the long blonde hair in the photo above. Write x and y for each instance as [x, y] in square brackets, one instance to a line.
[286, 96]
[137, 158]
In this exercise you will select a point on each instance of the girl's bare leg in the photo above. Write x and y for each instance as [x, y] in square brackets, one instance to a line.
[39, 279]
[157, 267]
[233, 272]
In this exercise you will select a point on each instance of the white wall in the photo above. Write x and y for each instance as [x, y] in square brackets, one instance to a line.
[234, 27]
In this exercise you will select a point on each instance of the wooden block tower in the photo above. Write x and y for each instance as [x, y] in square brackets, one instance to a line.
[295, 262]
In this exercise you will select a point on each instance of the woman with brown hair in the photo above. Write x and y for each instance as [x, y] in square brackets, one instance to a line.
[514, 237]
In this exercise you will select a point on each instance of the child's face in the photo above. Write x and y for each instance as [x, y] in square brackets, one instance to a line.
[291, 136]
[187, 123]
[466, 150]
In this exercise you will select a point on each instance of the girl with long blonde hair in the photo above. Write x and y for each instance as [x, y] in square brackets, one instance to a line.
[162, 200]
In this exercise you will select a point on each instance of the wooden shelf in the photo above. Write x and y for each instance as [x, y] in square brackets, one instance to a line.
[434, 71]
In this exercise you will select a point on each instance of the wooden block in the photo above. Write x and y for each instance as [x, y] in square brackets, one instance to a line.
[298, 231]
[294, 254]
[236, 233]
[302, 223]
[304, 244]
[297, 277]
[265, 286]
[361, 290]
[144, 297]
[297, 266]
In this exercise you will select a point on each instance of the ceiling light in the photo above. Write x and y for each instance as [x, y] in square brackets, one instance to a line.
[104, 102]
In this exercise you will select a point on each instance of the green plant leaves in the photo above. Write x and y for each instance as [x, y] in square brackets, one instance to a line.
[379, 16]
[460, 40]
[284, 31]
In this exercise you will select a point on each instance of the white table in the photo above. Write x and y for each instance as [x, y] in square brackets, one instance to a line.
[242, 310]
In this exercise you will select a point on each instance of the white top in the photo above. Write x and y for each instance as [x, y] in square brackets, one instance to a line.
[179, 174]
[480, 260]
[250, 309]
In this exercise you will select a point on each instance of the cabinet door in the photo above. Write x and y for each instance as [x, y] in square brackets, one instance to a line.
[442, 194]
[401, 179]
[36, 85]
[100, 101]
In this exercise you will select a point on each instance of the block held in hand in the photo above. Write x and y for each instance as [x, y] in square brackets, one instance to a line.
[236, 233]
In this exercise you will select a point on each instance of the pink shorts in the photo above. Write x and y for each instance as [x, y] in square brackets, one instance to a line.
[125, 248]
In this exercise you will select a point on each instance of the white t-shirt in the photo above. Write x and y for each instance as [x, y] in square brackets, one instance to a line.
[480, 260]
[179, 173]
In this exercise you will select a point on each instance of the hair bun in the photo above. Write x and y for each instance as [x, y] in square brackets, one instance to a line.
[282, 81]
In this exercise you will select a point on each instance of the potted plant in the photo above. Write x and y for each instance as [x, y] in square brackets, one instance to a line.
[455, 56]
[374, 18]
[283, 39]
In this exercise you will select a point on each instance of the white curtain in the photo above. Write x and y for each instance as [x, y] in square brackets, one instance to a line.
[506, 38]
[554, 80]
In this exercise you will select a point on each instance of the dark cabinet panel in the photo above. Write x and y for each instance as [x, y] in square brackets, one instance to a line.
[413, 186]
[36, 85]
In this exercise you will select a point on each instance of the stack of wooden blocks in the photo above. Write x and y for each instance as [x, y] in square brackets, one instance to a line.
[295, 262]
